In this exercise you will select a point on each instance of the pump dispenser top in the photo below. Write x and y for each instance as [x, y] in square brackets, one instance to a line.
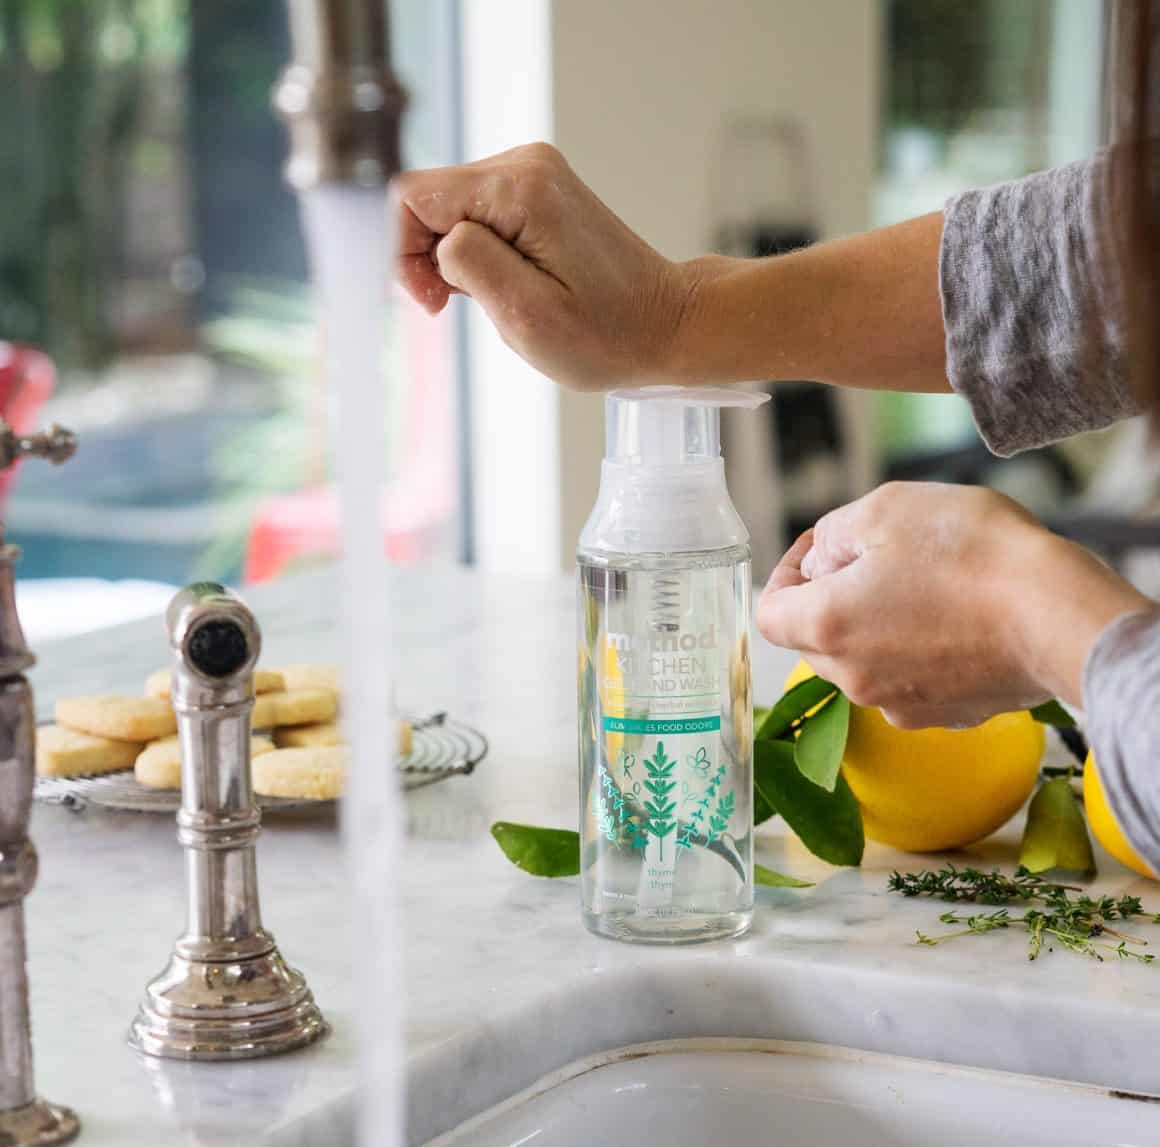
[669, 425]
[662, 484]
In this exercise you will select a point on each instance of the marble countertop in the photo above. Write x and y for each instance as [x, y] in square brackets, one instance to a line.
[503, 983]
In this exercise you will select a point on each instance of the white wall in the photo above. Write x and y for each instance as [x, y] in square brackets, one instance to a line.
[634, 92]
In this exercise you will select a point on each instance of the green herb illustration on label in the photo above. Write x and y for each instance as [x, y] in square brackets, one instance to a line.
[660, 785]
[611, 810]
[719, 821]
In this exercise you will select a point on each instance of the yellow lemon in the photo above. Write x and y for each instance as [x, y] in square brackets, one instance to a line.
[1103, 823]
[927, 790]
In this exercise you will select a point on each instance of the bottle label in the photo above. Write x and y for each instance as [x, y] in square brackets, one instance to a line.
[662, 789]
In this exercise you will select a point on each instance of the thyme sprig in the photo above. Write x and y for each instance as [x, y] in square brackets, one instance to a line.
[1078, 924]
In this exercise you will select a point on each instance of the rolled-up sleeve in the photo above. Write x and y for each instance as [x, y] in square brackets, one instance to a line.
[1121, 685]
[1034, 335]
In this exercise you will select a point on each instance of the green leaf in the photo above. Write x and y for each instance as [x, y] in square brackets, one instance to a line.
[540, 851]
[819, 747]
[772, 879]
[829, 824]
[1056, 835]
[1053, 713]
[763, 809]
[760, 712]
[795, 703]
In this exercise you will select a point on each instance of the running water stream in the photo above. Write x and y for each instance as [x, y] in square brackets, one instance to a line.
[348, 234]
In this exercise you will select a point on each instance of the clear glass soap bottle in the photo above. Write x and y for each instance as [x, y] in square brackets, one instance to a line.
[666, 707]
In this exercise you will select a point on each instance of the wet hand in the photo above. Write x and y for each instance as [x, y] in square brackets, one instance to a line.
[941, 605]
[568, 285]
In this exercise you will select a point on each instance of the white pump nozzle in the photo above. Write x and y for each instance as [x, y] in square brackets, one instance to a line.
[662, 486]
[669, 425]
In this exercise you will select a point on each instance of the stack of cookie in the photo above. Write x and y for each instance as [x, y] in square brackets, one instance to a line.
[303, 756]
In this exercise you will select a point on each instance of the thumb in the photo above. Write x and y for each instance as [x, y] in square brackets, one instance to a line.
[475, 260]
[788, 616]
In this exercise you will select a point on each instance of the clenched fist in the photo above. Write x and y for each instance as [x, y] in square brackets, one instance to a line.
[569, 286]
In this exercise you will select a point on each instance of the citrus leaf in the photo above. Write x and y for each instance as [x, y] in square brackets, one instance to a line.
[829, 824]
[540, 851]
[763, 809]
[1053, 713]
[760, 712]
[772, 879]
[1056, 835]
[795, 703]
[818, 750]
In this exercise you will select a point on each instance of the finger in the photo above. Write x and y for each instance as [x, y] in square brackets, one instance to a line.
[420, 278]
[432, 202]
[788, 572]
[790, 616]
[476, 261]
[838, 541]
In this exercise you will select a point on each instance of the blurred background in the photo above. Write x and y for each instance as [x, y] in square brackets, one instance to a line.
[152, 255]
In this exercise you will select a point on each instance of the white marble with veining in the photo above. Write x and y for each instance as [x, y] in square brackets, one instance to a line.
[503, 984]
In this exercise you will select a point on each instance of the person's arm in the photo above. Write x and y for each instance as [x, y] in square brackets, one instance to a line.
[862, 311]
[584, 299]
[1005, 297]
[942, 605]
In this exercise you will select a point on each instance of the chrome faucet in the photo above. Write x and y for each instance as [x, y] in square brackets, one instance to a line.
[25, 1119]
[339, 97]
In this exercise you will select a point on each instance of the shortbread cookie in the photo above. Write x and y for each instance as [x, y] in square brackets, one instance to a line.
[312, 675]
[324, 735]
[119, 718]
[158, 766]
[330, 733]
[316, 774]
[62, 752]
[160, 684]
[294, 707]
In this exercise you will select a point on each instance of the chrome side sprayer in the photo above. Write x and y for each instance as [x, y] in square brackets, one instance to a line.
[226, 992]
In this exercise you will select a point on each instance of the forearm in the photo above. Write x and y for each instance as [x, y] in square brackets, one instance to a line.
[861, 311]
[1058, 603]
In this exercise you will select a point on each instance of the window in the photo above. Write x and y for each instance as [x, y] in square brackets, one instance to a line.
[149, 245]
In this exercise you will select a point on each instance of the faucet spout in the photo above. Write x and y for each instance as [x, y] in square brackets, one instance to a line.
[340, 100]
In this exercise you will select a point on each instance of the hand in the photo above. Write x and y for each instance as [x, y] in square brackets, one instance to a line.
[941, 605]
[570, 288]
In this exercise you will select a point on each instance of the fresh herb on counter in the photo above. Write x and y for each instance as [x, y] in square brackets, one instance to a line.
[1078, 924]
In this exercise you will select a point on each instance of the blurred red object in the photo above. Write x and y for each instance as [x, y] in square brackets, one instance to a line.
[27, 378]
[419, 498]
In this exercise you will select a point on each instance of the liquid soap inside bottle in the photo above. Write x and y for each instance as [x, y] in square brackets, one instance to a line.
[666, 716]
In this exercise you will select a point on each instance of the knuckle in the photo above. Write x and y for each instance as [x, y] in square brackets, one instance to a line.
[827, 629]
[862, 687]
[542, 152]
[902, 718]
[455, 246]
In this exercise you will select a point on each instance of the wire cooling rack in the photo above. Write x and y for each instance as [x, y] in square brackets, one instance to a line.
[440, 748]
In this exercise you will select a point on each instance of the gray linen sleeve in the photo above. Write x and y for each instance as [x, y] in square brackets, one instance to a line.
[1121, 700]
[1034, 339]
